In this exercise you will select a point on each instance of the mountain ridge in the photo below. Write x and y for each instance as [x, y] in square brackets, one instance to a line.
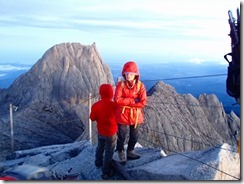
[52, 99]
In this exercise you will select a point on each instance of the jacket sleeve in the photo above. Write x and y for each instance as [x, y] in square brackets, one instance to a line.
[120, 99]
[142, 97]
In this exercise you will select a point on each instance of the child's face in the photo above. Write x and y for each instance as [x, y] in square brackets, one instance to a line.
[130, 76]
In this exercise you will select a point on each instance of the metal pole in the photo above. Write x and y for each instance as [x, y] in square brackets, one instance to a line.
[11, 126]
[89, 120]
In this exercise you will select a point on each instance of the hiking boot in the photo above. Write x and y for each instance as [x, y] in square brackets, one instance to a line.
[122, 157]
[131, 155]
[108, 175]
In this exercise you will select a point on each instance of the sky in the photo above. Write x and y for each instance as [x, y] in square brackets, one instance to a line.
[156, 30]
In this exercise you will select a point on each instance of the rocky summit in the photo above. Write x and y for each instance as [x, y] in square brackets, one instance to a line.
[76, 161]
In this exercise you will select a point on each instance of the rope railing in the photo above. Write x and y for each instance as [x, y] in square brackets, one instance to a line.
[193, 140]
[189, 77]
[96, 96]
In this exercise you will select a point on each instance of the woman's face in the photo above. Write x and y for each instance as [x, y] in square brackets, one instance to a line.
[129, 76]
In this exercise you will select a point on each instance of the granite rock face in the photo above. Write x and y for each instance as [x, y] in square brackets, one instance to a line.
[76, 161]
[180, 123]
[52, 96]
[66, 73]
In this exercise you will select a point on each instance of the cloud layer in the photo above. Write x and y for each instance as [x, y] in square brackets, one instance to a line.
[155, 27]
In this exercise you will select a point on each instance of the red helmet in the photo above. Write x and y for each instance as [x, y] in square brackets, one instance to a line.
[131, 67]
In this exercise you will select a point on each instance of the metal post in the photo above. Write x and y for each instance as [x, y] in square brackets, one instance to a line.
[11, 126]
[89, 120]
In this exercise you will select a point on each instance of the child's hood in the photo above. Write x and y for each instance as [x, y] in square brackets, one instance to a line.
[106, 91]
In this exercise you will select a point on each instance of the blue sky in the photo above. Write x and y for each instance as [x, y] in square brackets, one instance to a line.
[175, 30]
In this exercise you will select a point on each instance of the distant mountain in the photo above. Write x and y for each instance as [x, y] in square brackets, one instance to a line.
[53, 97]
[8, 77]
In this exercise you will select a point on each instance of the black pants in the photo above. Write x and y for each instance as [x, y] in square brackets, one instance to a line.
[133, 137]
[104, 152]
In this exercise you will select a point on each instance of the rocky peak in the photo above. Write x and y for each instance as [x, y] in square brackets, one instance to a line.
[52, 97]
[66, 72]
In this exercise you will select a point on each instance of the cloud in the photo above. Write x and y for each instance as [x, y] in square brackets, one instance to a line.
[139, 24]
[196, 60]
[141, 14]
[12, 67]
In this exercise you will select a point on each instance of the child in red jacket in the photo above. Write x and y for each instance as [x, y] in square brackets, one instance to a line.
[131, 97]
[104, 113]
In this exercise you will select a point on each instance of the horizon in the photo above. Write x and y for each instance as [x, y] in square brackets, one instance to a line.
[187, 78]
[5, 67]
[187, 31]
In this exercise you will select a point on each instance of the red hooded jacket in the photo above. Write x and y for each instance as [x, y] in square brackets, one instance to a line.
[130, 100]
[104, 112]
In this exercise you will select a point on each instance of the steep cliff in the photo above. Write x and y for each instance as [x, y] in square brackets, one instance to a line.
[52, 96]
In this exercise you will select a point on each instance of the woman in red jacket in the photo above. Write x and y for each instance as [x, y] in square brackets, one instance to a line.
[104, 113]
[130, 95]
